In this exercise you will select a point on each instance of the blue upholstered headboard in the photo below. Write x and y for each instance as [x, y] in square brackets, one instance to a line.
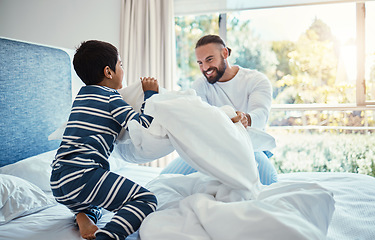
[35, 98]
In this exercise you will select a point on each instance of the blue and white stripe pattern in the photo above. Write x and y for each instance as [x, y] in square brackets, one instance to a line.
[88, 190]
[81, 179]
[97, 117]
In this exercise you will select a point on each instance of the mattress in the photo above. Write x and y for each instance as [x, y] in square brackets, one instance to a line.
[353, 217]
[58, 221]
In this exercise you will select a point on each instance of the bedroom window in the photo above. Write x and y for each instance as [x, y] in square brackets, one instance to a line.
[320, 59]
[188, 30]
[307, 52]
[311, 56]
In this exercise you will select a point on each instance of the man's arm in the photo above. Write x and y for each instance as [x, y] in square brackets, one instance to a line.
[259, 104]
[200, 88]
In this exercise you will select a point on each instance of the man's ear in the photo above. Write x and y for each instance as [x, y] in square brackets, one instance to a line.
[225, 52]
[107, 72]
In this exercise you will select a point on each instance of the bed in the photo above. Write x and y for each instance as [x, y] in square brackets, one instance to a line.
[36, 96]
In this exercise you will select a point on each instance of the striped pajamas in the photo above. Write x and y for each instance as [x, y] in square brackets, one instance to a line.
[89, 189]
[81, 177]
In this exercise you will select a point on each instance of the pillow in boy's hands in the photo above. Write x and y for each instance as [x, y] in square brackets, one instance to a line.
[133, 95]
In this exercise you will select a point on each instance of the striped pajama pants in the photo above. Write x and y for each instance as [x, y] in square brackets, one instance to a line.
[89, 190]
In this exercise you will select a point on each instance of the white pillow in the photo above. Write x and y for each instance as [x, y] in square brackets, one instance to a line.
[58, 133]
[35, 169]
[204, 136]
[141, 145]
[20, 198]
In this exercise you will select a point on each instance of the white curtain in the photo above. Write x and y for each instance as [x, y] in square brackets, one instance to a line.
[147, 41]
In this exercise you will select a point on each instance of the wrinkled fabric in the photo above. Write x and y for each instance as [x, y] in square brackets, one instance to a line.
[225, 199]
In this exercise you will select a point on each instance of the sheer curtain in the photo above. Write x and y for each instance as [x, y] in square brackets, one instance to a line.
[147, 42]
[147, 46]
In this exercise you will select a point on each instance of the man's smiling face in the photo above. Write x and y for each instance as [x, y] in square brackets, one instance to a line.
[211, 61]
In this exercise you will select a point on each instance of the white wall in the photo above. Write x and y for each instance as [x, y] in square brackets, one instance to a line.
[61, 23]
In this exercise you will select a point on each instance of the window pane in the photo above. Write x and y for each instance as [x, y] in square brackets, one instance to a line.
[188, 30]
[370, 51]
[307, 52]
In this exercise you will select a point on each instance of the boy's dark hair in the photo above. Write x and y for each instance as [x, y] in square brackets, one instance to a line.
[212, 39]
[91, 58]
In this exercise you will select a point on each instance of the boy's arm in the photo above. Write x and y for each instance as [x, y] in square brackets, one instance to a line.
[147, 95]
[150, 86]
[123, 112]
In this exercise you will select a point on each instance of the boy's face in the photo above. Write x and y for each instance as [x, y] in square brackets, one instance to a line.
[118, 76]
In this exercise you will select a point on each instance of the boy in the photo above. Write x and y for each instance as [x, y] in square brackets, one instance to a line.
[80, 177]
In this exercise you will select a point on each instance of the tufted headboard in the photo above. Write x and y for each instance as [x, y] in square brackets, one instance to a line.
[35, 98]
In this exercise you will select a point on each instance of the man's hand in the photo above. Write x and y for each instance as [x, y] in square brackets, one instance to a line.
[149, 83]
[243, 118]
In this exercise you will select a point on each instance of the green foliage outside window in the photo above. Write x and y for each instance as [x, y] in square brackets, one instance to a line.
[303, 152]
[188, 30]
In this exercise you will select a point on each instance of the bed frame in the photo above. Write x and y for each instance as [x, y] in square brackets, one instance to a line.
[29, 110]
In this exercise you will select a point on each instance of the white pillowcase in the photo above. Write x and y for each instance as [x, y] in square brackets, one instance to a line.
[20, 198]
[35, 169]
[142, 145]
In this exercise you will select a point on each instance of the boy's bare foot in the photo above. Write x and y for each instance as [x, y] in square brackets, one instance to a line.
[87, 227]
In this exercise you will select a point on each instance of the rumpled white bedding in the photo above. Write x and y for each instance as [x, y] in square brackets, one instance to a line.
[225, 199]
[189, 209]
[353, 218]
[140, 145]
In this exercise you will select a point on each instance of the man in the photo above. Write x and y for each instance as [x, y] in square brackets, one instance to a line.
[249, 92]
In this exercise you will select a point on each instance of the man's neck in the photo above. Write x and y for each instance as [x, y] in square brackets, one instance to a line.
[229, 73]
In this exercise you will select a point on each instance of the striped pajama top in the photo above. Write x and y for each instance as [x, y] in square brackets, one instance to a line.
[98, 114]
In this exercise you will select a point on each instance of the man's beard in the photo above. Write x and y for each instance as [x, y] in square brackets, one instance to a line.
[219, 73]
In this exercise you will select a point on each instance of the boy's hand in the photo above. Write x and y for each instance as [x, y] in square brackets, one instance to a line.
[149, 83]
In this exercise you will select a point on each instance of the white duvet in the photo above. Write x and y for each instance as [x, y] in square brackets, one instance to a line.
[225, 199]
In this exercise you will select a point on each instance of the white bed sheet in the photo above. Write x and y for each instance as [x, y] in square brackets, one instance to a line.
[354, 215]
[353, 218]
[57, 222]
[354, 194]
[227, 196]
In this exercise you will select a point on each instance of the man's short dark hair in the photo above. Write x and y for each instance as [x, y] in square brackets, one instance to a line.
[212, 39]
[91, 58]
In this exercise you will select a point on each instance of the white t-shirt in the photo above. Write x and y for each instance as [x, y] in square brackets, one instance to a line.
[249, 91]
